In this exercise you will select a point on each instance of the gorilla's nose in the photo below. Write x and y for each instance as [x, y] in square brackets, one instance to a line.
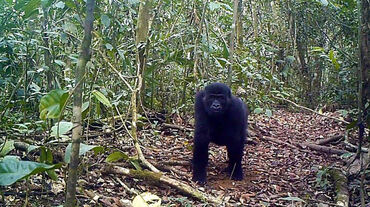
[216, 106]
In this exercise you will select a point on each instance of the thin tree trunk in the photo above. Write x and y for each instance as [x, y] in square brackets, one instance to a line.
[77, 104]
[143, 26]
[144, 20]
[47, 55]
[232, 42]
[254, 18]
[363, 87]
[239, 25]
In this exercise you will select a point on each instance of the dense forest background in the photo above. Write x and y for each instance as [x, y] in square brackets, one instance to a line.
[74, 72]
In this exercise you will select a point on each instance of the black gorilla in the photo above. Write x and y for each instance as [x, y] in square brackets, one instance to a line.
[220, 118]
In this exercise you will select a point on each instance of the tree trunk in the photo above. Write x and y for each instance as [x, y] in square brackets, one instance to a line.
[239, 25]
[143, 26]
[232, 42]
[77, 104]
[47, 55]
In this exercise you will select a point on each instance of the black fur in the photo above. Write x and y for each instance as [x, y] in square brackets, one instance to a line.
[220, 118]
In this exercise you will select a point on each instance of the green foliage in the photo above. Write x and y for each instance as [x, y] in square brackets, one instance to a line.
[116, 156]
[61, 128]
[6, 147]
[100, 97]
[322, 178]
[12, 169]
[83, 149]
[52, 104]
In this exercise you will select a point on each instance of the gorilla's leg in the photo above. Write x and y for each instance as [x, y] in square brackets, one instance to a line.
[235, 154]
[200, 160]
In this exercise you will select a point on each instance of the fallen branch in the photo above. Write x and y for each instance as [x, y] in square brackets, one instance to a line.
[325, 149]
[173, 126]
[330, 139]
[160, 178]
[341, 190]
[296, 145]
[313, 111]
[279, 142]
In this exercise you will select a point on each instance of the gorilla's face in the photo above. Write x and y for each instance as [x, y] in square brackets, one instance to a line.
[216, 99]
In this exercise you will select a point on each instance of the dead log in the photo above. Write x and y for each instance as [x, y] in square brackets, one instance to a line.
[173, 126]
[341, 190]
[296, 145]
[279, 142]
[330, 139]
[161, 178]
[325, 149]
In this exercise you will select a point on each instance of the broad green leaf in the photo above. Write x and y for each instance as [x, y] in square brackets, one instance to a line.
[30, 148]
[116, 156]
[317, 49]
[324, 2]
[6, 147]
[98, 95]
[109, 46]
[83, 149]
[13, 169]
[225, 52]
[60, 5]
[70, 27]
[60, 63]
[268, 113]
[258, 110]
[214, 5]
[334, 60]
[290, 59]
[85, 107]
[64, 127]
[46, 3]
[30, 8]
[105, 20]
[52, 103]
[145, 198]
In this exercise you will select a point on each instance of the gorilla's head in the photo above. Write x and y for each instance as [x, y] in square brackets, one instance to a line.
[217, 98]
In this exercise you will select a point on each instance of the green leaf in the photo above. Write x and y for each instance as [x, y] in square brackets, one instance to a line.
[85, 107]
[60, 5]
[334, 60]
[52, 103]
[83, 149]
[46, 3]
[116, 156]
[268, 113]
[64, 127]
[225, 52]
[352, 125]
[105, 20]
[30, 8]
[324, 2]
[109, 46]
[13, 169]
[98, 95]
[30, 148]
[214, 5]
[70, 27]
[6, 147]
[258, 110]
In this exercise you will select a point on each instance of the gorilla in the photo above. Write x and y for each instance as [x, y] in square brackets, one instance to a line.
[220, 118]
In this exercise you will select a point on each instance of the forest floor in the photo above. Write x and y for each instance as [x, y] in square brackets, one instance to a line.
[274, 173]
